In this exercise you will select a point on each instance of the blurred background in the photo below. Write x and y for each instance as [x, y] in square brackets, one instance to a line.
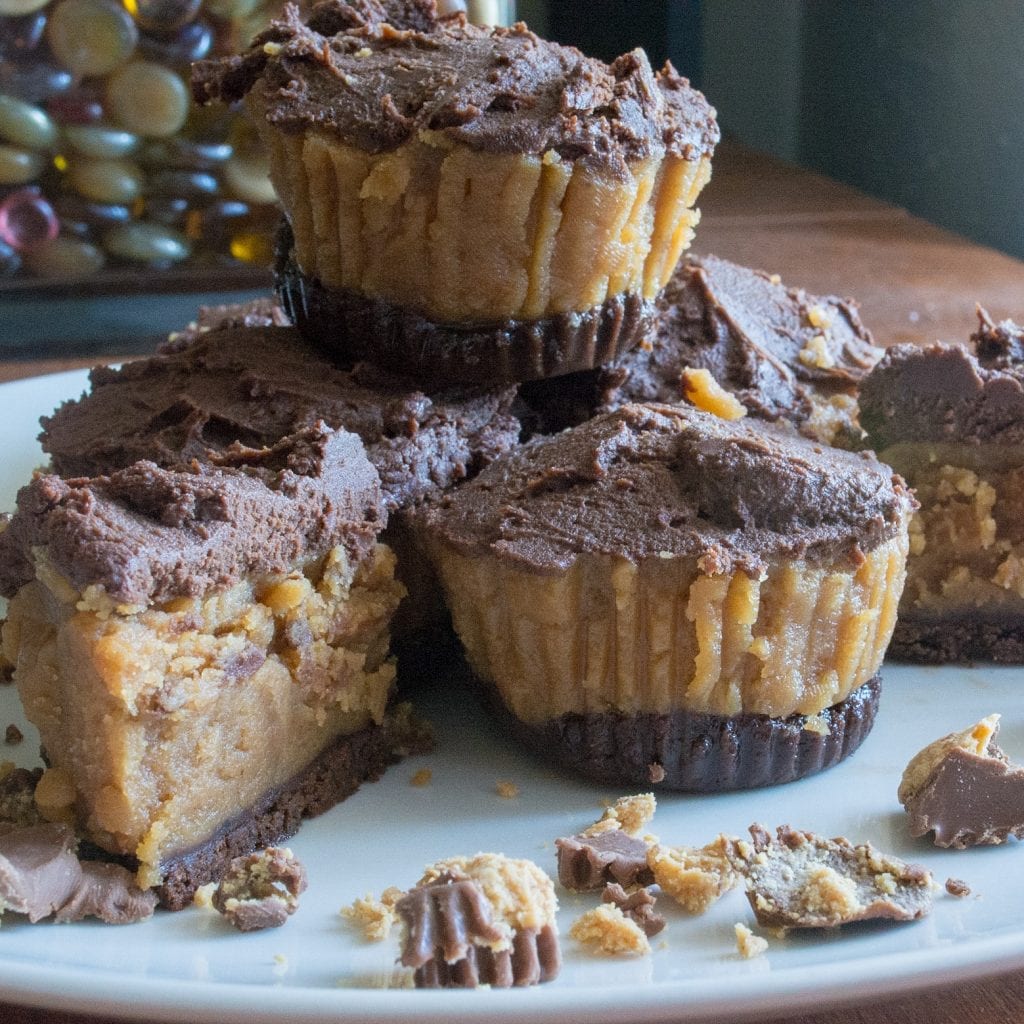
[113, 185]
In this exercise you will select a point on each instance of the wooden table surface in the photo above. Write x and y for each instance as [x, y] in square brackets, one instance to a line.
[915, 282]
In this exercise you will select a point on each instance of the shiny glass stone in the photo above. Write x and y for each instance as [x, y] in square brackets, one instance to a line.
[34, 81]
[65, 257]
[105, 181]
[19, 8]
[25, 125]
[20, 166]
[185, 154]
[20, 36]
[168, 211]
[76, 209]
[79, 106]
[163, 15]
[192, 42]
[146, 98]
[100, 141]
[26, 220]
[10, 261]
[140, 242]
[189, 184]
[91, 37]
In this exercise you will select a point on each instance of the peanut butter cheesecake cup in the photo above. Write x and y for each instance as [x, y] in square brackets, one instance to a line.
[211, 388]
[786, 355]
[950, 419]
[662, 596]
[467, 204]
[203, 649]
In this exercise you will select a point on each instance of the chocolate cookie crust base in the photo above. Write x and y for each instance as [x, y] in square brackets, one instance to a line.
[959, 641]
[699, 753]
[356, 327]
[336, 773]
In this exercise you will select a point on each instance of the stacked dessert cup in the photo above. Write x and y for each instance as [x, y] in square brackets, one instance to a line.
[480, 243]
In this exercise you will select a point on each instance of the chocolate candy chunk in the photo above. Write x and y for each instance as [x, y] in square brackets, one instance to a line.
[261, 890]
[39, 871]
[800, 880]
[450, 938]
[637, 906]
[587, 862]
[109, 892]
[965, 789]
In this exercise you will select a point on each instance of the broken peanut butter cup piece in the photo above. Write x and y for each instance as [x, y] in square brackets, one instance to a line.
[801, 880]
[482, 920]
[587, 862]
[965, 789]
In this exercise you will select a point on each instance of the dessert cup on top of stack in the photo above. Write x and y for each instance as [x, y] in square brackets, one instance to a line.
[465, 204]
[663, 596]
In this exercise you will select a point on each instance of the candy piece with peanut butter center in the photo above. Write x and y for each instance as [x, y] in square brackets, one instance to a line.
[801, 880]
[965, 789]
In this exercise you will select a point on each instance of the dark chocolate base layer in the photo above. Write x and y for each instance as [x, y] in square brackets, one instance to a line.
[959, 641]
[357, 327]
[336, 773]
[698, 753]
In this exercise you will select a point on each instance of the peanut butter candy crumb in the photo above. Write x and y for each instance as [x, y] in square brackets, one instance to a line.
[631, 814]
[694, 877]
[422, 778]
[607, 930]
[702, 390]
[375, 917]
[506, 790]
[748, 945]
[957, 887]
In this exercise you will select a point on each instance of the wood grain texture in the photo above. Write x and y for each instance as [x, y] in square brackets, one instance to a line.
[915, 283]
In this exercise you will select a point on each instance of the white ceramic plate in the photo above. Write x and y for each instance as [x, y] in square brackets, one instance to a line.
[192, 966]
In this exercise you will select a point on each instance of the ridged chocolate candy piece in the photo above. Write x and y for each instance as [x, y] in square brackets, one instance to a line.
[700, 753]
[637, 906]
[448, 935]
[357, 327]
[589, 862]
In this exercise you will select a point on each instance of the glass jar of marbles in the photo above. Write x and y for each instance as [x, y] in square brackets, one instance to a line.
[105, 162]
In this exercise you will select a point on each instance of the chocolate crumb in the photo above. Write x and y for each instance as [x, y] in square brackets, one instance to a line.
[957, 887]
[261, 890]
[13, 736]
[637, 906]
[17, 799]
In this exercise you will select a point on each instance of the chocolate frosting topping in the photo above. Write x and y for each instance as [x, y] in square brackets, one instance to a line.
[947, 393]
[648, 480]
[749, 330]
[255, 385]
[379, 78]
[148, 534]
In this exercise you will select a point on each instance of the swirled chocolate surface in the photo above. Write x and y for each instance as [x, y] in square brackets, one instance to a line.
[379, 76]
[256, 385]
[971, 395]
[657, 480]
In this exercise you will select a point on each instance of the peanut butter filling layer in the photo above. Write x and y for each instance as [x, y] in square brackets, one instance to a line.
[660, 634]
[469, 236]
[165, 721]
[967, 538]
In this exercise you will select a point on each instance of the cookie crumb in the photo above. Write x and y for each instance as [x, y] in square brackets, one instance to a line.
[748, 945]
[203, 896]
[607, 930]
[506, 790]
[13, 736]
[421, 778]
[376, 917]
[694, 877]
[957, 887]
